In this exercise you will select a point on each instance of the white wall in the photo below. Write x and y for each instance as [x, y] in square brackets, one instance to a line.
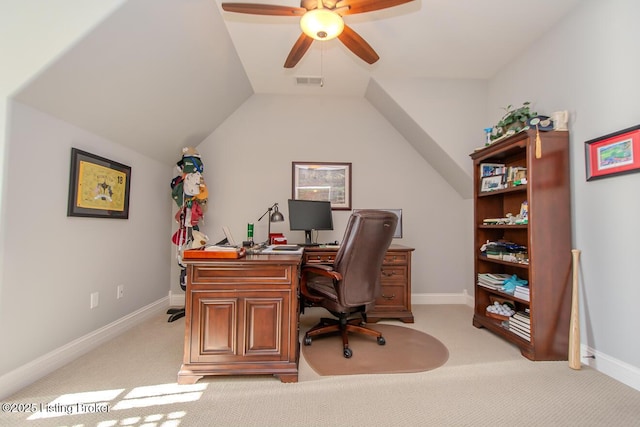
[53, 262]
[589, 65]
[248, 168]
[451, 111]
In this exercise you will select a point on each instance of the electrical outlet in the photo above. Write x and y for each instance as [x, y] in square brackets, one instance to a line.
[95, 299]
[120, 291]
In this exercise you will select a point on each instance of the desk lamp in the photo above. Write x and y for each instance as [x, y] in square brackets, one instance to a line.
[274, 216]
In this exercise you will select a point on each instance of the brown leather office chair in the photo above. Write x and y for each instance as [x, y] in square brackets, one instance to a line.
[350, 286]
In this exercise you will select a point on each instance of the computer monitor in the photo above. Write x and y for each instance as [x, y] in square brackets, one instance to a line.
[309, 215]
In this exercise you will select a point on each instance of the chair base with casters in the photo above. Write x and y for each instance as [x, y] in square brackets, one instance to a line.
[175, 313]
[344, 326]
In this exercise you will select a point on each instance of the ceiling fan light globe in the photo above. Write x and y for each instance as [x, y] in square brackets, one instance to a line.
[322, 24]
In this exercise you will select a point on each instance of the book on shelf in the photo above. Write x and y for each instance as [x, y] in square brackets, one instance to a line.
[492, 280]
[523, 316]
[520, 334]
[522, 292]
[525, 329]
[519, 324]
[521, 321]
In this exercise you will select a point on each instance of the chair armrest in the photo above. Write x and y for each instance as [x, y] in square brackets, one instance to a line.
[319, 269]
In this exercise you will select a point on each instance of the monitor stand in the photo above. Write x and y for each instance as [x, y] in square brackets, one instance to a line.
[307, 239]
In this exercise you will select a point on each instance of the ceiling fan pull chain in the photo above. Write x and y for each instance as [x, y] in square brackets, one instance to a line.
[322, 65]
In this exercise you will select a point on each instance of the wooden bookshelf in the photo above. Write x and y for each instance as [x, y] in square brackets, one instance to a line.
[547, 236]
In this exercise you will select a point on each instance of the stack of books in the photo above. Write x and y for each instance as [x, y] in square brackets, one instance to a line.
[520, 324]
[492, 280]
[521, 292]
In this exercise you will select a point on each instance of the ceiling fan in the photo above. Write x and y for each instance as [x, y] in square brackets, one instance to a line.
[321, 20]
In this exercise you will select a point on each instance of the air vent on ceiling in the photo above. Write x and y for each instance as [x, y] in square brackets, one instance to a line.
[309, 81]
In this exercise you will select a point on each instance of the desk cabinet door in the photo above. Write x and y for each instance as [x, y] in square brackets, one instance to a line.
[239, 326]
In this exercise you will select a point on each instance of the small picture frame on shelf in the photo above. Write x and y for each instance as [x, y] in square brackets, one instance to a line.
[489, 169]
[524, 210]
[492, 183]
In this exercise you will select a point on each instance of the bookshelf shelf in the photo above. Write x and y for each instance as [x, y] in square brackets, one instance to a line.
[498, 261]
[547, 237]
[505, 296]
[516, 189]
[503, 226]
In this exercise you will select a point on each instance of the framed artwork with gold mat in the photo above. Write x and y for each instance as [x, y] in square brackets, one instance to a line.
[98, 187]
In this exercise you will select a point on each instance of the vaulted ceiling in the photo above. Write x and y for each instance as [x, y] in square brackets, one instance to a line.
[159, 75]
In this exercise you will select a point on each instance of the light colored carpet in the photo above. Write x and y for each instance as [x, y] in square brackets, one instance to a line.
[485, 382]
[406, 350]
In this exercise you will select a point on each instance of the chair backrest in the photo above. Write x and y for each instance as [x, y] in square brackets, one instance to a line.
[359, 260]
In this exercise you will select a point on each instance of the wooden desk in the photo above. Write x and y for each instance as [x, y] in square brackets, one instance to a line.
[395, 280]
[241, 317]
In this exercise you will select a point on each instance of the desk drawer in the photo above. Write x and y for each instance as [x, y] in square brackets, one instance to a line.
[392, 297]
[320, 258]
[393, 274]
[242, 275]
[396, 258]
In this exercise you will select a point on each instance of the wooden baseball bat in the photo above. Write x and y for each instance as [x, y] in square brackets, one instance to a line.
[574, 324]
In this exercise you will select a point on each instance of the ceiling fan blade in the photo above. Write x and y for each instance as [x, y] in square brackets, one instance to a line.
[362, 6]
[298, 50]
[263, 9]
[358, 45]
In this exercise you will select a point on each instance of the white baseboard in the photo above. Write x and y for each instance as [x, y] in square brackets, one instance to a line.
[607, 365]
[176, 299]
[611, 367]
[21, 377]
[431, 299]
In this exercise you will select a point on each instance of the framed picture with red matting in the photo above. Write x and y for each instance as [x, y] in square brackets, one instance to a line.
[614, 154]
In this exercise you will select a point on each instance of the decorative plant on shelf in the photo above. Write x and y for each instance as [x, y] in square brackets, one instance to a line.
[513, 121]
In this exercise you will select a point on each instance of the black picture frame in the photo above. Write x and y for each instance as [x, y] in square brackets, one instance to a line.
[98, 187]
[327, 181]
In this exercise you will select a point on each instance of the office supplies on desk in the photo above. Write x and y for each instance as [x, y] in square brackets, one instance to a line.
[274, 216]
[214, 252]
[283, 249]
[228, 236]
[277, 239]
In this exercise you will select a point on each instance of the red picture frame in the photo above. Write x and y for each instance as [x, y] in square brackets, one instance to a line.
[613, 154]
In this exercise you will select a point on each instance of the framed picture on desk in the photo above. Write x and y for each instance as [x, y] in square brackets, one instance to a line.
[323, 181]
